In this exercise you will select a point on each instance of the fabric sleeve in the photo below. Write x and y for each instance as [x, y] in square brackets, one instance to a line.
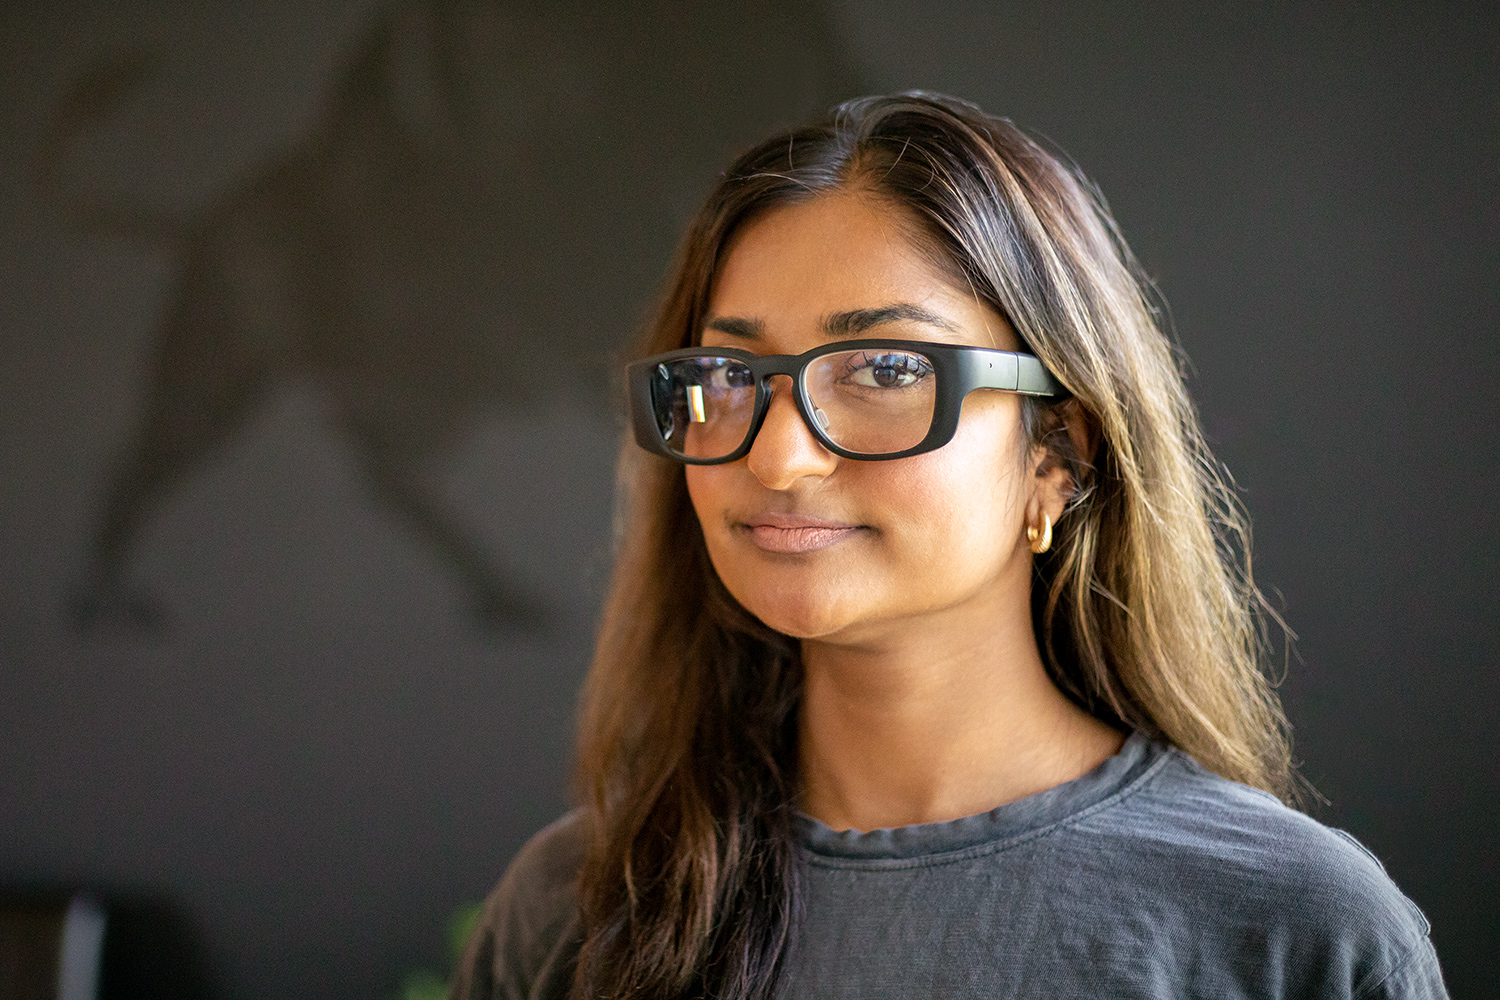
[529, 932]
[1418, 977]
[1262, 900]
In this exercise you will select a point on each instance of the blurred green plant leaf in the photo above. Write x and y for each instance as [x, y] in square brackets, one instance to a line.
[460, 928]
[424, 984]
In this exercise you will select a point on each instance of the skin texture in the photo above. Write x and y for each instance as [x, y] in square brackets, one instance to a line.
[908, 581]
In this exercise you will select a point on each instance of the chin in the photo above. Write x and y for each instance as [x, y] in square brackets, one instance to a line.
[801, 616]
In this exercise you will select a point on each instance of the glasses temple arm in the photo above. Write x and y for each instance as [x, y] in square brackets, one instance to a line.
[1035, 380]
[1012, 371]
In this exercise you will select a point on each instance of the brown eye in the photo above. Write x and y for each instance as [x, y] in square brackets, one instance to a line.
[888, 371]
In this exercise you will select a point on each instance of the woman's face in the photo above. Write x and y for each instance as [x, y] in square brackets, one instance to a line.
[821, 547]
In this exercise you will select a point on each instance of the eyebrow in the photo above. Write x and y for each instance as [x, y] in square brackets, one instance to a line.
[840, 325]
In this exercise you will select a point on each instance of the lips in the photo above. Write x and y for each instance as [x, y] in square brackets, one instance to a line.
[775, 532]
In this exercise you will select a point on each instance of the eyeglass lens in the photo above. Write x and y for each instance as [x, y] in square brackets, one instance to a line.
[870, 402]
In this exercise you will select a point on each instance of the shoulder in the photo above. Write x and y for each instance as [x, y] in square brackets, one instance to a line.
[528, 933]
[1248, 841]
[1236, 868]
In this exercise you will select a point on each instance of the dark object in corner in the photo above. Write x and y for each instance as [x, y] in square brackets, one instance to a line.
[50, 948]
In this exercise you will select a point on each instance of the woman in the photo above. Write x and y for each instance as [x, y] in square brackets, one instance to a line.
[931, 665]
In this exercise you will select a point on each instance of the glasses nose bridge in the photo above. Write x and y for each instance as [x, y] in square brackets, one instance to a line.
[792, 366]
[768, 379]
[776, 388]
[792, 372]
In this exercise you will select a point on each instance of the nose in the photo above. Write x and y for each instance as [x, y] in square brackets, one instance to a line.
[784, 450]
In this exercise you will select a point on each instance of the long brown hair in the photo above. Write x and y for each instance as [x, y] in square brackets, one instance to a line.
[1145, 607]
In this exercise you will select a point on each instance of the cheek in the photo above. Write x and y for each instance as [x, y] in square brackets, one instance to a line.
[707, 491]
[712, 490]
[963, 503]
[703, 492]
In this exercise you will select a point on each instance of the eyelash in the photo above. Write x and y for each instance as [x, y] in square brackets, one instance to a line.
[908, 364]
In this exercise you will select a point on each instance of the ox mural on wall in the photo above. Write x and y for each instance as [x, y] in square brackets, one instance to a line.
[474, 224]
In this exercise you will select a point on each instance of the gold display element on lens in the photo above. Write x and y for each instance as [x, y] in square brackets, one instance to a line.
[695, 404]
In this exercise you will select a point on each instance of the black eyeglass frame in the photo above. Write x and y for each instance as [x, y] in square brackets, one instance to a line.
[959, 369]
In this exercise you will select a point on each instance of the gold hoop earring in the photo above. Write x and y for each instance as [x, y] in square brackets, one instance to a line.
[1041, 540]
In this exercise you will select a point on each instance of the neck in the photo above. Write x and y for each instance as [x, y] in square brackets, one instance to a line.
[936, 721]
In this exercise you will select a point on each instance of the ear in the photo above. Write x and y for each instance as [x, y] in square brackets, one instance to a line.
[1064, 460]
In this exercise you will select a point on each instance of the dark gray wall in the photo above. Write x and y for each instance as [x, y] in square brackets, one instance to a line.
[313, 687]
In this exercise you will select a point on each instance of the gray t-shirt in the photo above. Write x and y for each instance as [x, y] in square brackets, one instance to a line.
[1146, 877]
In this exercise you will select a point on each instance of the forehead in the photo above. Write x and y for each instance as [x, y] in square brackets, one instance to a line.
[844, 251]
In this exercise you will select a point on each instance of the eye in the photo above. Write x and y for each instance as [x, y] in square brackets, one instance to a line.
[724, 374]
[895, 370]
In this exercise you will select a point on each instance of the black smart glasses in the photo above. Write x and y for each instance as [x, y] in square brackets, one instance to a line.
[862, 399]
